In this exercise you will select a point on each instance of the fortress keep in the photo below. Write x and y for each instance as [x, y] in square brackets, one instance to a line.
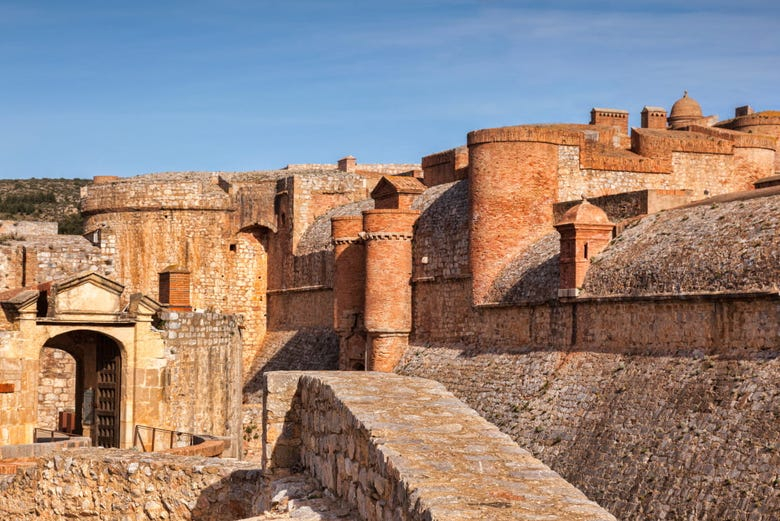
[607, 296]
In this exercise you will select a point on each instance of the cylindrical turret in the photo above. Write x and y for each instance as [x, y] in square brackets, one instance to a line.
[388, 304]
[513, 184]
[349, 278]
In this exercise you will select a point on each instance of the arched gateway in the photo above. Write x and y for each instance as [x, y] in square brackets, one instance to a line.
[97, 388]
[115, 359]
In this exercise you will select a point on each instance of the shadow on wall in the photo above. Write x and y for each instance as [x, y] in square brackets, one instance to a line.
[528, 289]
[238, 496]
[308, 349]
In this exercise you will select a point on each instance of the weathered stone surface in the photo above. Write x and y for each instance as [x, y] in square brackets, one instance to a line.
[405, 448]
[677, 437]
[103, 484]
[715, 247]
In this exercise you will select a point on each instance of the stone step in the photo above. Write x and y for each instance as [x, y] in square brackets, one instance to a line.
[302, 498]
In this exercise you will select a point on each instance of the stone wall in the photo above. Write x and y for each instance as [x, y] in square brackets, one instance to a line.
[164, 191]
[147, 242]
[304, 349]
[684, 435]
[36, 259]
[717, 322]
[11, 265]
[405, 448]
[17, 408]
[112, 484]
[26, 452]
[300, 308]
[56, 386]
[201, 379]
[27, 228]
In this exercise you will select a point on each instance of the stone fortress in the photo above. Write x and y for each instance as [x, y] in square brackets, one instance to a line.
[607, 297]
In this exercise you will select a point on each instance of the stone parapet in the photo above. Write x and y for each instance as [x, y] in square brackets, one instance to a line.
[121, 484]
[405, 448]
[203, 352]
[181, 191]
[37, 450]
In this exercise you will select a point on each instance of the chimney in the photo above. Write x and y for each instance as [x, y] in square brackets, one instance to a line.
[744, 110]
[347, 164]
[610, 117]
[654, 117]
[175, 288]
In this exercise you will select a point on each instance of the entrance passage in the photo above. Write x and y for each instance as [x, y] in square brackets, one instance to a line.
[98, 388]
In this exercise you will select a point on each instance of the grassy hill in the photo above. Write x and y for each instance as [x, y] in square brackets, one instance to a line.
[43, 200]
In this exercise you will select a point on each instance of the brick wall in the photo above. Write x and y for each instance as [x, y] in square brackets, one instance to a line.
[511, 191]
[445, 167]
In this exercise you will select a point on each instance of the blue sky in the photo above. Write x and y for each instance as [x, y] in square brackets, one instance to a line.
[124, 88]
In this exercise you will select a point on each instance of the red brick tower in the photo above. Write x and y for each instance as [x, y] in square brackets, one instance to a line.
[388, 305]
[513, 183]
[349, 291]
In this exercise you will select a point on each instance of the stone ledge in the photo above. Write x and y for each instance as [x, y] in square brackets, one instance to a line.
[405, 448]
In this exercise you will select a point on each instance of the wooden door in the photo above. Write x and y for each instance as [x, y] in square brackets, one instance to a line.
[106, 426]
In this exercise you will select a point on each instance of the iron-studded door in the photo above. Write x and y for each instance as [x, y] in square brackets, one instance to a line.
[106, 426]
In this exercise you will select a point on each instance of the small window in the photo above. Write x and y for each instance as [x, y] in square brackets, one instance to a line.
[233, 247]
[586, 250]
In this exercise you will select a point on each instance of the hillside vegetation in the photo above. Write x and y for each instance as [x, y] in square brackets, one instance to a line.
[43, 200]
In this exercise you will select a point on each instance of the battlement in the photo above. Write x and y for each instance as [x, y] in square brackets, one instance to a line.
[350, 164]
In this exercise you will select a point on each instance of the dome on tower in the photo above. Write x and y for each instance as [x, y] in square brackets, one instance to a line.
[686, 107]
[685, 111]
[584, 213]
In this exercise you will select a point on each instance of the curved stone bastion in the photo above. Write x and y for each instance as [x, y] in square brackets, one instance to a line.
[403, 448]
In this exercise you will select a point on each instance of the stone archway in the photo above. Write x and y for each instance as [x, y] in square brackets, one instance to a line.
[99, 391]
[119, 356]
